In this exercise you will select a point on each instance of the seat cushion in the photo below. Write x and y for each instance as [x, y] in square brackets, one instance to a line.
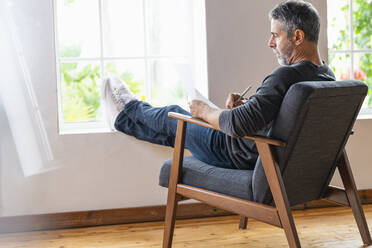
[195, 173]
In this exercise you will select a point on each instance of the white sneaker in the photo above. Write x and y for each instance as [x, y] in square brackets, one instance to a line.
[115, 94]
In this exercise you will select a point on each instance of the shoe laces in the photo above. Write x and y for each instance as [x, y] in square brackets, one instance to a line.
[118, 95]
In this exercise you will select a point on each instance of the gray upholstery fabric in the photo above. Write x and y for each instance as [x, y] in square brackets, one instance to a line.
[196, 173]
[314, 120]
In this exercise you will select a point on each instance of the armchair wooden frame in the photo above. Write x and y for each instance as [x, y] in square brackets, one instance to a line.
[280, 215]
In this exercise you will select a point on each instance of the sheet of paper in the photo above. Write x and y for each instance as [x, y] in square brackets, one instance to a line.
[186, 76]
[199, 96]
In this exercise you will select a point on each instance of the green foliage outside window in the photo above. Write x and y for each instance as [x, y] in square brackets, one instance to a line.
[81, 84]
[362, 16]
[80, 94]
[81, 87]
[363, 31]
[80, 78]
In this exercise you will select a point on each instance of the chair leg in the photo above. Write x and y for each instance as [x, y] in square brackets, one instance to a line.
[243, 222]
[275, 180]
[173, 197]
[353, 197]
[170, 218]
[289, 228]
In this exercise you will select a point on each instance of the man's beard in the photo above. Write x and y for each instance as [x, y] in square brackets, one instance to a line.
[283, 58]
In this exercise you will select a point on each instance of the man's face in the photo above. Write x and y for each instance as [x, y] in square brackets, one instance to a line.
[279, 42]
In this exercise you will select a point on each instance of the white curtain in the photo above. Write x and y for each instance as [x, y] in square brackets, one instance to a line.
[19, 101]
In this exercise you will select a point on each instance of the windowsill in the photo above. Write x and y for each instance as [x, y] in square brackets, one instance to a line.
[364, 116]
[365, 113]
[84, 128]
[87, 131]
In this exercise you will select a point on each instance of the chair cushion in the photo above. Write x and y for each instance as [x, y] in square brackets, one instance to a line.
[195, 173]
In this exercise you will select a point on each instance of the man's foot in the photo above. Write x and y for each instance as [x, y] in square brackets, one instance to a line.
[115, 95]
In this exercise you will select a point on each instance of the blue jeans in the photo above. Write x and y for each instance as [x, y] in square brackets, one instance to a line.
[141, 120]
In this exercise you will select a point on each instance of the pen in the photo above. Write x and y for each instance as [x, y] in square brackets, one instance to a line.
[245, 92]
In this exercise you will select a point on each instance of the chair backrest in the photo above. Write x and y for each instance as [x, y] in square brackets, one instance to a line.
[315, 119]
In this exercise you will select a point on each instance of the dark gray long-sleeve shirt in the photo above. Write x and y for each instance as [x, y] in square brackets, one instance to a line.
[257, 114]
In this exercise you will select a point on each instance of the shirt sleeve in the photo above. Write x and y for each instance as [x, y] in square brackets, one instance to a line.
[260, 109]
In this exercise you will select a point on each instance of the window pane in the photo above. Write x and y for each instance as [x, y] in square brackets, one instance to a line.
[362, 13]
[123, 29]
[78, 28]
[80, 83]
[340, 64]
[130, 71]
[338, 24]
[169, 27]
[363, 71]
[167, 87]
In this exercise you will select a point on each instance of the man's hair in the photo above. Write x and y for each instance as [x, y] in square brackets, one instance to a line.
[298, 14]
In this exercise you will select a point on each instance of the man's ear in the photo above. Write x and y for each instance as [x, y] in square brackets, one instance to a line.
[298, 36]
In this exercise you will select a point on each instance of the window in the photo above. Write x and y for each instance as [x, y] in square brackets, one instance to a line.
[350, 42]
[139, 41]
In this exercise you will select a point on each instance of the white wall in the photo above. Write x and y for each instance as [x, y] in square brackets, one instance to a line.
[113, 170]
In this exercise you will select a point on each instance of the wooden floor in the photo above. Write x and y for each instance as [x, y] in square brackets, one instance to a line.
[327, 227]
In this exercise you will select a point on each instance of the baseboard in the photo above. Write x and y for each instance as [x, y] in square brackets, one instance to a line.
[365, 196]
[40, 222]
[52, 221]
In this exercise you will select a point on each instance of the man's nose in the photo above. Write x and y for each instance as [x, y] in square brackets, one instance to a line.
[271, 43]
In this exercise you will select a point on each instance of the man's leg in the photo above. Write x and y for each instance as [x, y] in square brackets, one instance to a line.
[145, 122]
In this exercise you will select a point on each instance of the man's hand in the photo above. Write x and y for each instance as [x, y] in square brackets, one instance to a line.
[202, 110]
[198, 109]
[233, 101]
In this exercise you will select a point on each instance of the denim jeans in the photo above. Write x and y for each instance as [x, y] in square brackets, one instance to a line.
[152, 124]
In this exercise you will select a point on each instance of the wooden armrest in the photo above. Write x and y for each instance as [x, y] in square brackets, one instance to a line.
[202, 123]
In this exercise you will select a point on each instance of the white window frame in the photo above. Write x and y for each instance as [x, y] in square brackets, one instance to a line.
[198, 60]
[365, 113]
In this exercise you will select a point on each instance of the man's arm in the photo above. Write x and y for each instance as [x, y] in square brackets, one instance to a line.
[257, 112]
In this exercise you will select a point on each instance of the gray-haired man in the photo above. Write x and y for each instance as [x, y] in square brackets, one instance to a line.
[295, 29]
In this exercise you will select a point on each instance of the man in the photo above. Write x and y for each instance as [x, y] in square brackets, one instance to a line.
[295, 29]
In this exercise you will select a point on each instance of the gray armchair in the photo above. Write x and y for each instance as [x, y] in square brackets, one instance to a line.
[296, 162]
